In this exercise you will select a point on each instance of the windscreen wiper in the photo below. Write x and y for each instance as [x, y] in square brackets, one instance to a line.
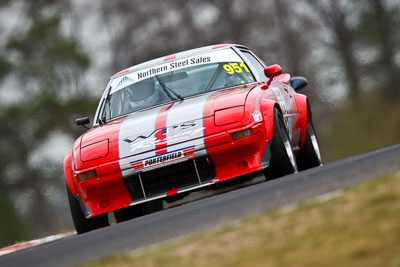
[166, 89]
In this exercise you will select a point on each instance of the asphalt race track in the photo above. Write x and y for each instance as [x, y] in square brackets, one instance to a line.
[209, 212]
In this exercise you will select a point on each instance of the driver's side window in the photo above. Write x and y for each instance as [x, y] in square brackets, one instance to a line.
[256, 65]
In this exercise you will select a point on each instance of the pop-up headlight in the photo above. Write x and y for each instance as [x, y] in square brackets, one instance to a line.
[228, 115]
[94, 151]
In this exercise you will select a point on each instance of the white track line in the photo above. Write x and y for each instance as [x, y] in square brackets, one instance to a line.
[36, 242]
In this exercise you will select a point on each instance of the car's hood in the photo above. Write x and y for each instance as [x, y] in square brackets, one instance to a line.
[173, 122]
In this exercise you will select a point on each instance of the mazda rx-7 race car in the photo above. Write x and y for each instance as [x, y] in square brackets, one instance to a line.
[183, 122]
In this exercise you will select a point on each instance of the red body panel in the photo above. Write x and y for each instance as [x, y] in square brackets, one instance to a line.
[302, 104]
[68, 173]
[267, 109]
[108, 187]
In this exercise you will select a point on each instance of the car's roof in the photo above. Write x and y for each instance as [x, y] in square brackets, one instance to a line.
[177, 56]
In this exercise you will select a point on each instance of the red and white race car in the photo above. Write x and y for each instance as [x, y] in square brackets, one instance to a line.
[184, 122]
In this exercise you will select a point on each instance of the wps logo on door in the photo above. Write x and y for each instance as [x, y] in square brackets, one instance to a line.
[163, 159]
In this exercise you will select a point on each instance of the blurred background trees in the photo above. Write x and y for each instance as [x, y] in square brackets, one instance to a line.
[56, 57]
[44, 67]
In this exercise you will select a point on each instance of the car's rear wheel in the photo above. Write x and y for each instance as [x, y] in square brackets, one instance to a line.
[283, 160]
[129, 213]
[83, 225]
[310, 154]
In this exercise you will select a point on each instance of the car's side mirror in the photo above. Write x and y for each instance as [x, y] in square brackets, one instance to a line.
[298, 82]
[82, 121]
[271, 72]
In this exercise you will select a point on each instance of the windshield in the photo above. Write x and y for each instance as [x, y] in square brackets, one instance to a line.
[166, 86]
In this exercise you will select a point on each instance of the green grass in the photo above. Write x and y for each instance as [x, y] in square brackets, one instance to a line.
[361, 227]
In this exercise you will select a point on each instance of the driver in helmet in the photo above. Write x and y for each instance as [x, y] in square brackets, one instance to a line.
[143, 94]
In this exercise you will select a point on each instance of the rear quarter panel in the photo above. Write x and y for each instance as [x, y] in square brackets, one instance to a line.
[303, 108]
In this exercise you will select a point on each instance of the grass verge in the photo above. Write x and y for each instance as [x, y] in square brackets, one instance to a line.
[360, 227]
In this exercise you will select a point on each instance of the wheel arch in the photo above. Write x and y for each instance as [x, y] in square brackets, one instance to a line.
[68, 173]
[267, 109]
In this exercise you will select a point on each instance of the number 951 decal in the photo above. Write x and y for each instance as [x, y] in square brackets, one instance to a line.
[235, 67]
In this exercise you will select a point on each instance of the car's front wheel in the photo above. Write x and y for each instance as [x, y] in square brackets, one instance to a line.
[283, 160]
[83, 225]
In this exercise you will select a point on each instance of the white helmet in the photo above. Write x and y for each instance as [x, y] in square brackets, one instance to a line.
[143, 94]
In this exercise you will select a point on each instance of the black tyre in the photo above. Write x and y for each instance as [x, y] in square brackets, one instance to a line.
[283, 160]
[310, 154]
[83, 225]
[129, 213]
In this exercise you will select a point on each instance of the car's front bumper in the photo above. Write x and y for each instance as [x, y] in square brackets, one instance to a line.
[220, 158]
